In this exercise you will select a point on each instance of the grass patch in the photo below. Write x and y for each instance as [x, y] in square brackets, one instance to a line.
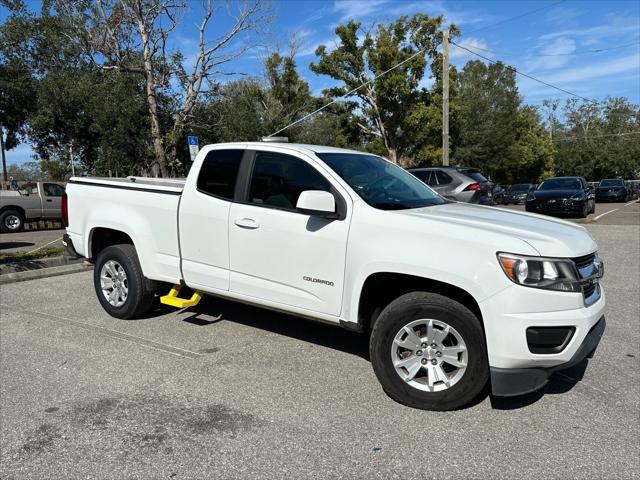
[23, 256]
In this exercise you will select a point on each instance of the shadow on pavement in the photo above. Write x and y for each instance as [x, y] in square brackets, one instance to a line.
[213, 310]
[4, 245]
[560, 382]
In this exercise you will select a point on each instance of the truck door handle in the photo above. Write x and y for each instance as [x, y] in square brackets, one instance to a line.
[247, 223]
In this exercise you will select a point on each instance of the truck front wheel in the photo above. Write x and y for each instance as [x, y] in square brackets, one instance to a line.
[429, 352]
[120, 286]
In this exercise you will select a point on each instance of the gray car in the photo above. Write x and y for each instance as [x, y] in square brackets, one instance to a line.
[463, 184]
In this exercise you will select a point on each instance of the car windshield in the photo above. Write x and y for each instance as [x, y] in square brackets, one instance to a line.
[612, 183]
[521, 187]
[380, 183]
[561, 184]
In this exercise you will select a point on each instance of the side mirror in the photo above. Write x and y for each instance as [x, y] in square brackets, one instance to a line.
[317, 202]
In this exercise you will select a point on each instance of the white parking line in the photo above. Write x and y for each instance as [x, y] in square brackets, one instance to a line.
[632, 201]
[605, 213]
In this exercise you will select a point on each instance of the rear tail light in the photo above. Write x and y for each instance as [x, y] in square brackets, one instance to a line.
[64, 206]
[473, 187]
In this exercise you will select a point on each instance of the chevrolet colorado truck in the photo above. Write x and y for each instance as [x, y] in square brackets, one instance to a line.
[452, 295]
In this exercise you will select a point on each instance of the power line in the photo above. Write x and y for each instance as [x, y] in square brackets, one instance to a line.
[556, 54]
[402, 63]
[522, 73]
[588, 137]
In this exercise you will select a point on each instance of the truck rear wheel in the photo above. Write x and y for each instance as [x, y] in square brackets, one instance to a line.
[11, 221]
[120, 286]
[429, 352]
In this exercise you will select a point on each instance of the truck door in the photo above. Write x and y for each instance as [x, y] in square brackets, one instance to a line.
[203, 220]
[51, 198]
[278, 253]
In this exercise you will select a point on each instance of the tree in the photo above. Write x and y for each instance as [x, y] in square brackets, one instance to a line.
[16, 102]
[496, 132]
[133, 36]
[599, 139]
[391, 108]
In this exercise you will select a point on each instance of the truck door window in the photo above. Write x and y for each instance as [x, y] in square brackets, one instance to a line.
[53, 190]
[278, 180]
[219, 172]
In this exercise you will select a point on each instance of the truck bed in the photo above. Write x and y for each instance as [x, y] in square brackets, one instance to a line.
[142, 183]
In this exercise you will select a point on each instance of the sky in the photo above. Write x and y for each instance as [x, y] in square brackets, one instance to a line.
[558, 44]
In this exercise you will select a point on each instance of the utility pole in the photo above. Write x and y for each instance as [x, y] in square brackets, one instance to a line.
[4, 159]
[445, 97]
[73, 168]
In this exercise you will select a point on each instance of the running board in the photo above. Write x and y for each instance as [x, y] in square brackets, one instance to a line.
[172, 298]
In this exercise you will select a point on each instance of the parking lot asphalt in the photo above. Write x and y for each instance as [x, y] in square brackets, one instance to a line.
[29, 240]
[606, 213]
[229, 391]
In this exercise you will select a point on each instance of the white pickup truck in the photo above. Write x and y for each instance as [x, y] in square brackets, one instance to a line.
[453, 295]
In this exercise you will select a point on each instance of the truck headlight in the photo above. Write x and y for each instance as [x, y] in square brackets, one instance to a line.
[539, 272]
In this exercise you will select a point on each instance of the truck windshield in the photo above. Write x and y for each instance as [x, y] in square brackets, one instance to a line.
[380, 183]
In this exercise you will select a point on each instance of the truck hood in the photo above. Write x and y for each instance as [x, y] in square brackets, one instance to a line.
[550, 237]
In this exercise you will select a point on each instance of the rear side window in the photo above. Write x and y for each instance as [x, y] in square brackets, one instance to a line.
[219, 172]
[443, 177]
[53, 190]
[426, 176]
[278, 180]
[475, 174]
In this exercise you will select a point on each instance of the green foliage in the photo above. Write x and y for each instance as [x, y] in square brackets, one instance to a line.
[496, 133]
[392, 110]
[599, 139]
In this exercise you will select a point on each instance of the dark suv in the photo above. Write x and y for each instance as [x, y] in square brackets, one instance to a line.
[457, 183]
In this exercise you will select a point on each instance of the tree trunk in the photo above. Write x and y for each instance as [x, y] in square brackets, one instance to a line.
[152, 103]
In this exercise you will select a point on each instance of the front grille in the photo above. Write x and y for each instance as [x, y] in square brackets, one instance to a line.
[588, 289]
[584, 261]
[587, 272]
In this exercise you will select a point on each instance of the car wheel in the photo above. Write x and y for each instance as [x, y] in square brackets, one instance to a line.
[429, 352]
[11, 221]
[120, 286]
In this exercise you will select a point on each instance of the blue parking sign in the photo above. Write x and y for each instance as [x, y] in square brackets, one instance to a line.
[193, 140]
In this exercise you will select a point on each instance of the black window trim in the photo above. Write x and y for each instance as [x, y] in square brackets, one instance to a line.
[243, 185]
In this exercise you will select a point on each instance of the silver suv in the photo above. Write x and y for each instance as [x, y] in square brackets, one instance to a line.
[463, 184]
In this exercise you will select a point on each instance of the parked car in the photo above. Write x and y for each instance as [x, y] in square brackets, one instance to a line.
[34, 201]
[634, 188]
[613, 190]
[562, 195]
[462, 184]
[499, 192]
[517, 193]
[452, 294]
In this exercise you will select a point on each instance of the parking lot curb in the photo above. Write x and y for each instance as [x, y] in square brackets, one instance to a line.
[44, 272]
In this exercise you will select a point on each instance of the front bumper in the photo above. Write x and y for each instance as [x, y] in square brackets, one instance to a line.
[558, 207]
[610, 196]
[518, 381]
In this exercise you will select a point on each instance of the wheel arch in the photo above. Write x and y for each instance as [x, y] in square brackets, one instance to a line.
[100, 238]
[381, 288]
[18, 208]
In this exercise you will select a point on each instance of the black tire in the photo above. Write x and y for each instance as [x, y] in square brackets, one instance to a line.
[418, 305]
[585, 211]
[140, 298]
[11, 221]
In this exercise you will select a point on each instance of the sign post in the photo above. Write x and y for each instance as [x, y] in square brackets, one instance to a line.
[193, 147]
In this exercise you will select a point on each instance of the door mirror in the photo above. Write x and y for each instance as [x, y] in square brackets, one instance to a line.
[317, 202]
